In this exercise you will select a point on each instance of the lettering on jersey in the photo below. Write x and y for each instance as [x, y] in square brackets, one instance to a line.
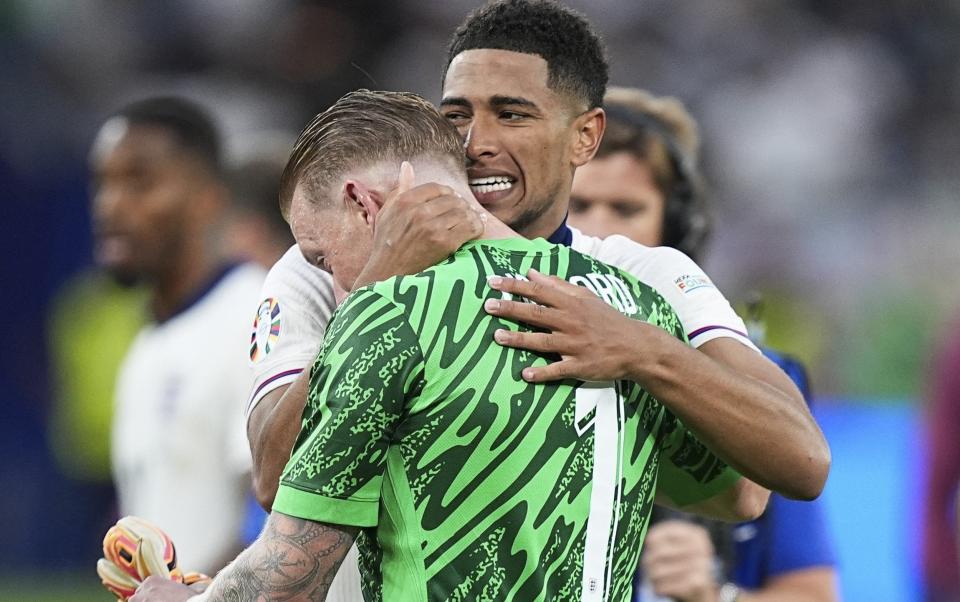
[691, 282]
[266, 329]
[610, 288]
[509, 296]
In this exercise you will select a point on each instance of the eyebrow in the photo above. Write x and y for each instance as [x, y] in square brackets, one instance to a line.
[496, 101]
[455, 101]
[499, 101]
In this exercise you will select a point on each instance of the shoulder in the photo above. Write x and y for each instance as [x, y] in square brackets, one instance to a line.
[643, 262]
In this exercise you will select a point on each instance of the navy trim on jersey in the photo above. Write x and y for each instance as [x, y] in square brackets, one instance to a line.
[201, 292]
[270, 380]
[563, 235]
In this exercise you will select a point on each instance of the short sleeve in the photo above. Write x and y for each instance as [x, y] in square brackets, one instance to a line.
[370, 366]
[703, 310]
[291, 317]
[689, 472]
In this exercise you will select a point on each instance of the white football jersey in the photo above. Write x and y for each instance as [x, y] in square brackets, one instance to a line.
[703, 310]
[295, 305]
[180, 454]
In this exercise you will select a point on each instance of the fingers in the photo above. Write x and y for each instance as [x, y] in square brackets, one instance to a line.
[531, 314]
[545, 290]
[406, 177]
[540, 342]
[562, 370]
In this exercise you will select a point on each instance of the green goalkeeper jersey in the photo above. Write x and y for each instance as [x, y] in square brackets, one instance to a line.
[467, 482]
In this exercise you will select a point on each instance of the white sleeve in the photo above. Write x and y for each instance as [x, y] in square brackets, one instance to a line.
[703, 310]
[296, 304]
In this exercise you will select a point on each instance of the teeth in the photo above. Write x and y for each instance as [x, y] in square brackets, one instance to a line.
[491, 180]
[491, 187]
[491, 184]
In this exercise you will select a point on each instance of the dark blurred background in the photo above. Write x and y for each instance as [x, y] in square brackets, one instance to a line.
[831, 139]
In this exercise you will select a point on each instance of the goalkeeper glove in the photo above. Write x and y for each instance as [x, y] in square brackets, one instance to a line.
[133, 550]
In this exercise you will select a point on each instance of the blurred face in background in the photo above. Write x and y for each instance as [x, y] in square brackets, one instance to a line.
[521, 137]
[147, 198]
[617, 194]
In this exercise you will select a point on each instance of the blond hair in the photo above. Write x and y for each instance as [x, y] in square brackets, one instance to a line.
[362, 128]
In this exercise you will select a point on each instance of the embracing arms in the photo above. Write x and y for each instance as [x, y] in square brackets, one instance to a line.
[738, 403]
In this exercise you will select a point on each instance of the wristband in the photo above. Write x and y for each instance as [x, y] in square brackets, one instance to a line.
[729, 592]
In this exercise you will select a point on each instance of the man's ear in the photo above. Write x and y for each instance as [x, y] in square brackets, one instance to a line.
[588, 132]
[359, 198]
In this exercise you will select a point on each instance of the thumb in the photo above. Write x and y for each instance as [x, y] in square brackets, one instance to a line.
[405, 180]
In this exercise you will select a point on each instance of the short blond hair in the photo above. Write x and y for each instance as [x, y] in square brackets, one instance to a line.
[362, 128]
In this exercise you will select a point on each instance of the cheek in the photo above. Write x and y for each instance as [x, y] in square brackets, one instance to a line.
[646, 229]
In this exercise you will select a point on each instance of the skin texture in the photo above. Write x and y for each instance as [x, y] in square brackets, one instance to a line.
[617, 194]
[293, 559]
[278, 414]
[529, 133]
[154, 207]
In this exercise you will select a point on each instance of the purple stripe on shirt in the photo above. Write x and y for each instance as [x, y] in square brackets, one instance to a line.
[700, 331]
[272, 379]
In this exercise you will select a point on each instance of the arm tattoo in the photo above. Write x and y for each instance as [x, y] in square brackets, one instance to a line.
[294, 559]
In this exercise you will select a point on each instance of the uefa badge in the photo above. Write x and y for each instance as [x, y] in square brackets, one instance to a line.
[266, 329]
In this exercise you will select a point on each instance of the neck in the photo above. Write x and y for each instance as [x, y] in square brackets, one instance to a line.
[183, 278]
[494, 229]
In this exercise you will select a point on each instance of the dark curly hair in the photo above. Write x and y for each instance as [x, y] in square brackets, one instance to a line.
[574, 53]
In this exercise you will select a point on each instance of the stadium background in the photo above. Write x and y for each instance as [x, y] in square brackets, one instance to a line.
[832, 133]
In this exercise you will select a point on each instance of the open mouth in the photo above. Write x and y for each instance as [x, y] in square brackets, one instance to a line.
[484, 186]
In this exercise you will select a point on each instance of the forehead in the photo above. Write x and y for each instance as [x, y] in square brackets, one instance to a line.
[481, 73]
[619, 175]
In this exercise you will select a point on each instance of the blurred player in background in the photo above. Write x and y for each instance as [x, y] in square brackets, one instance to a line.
[179, 458]
[255, 229]
[644, 184]
[420, 432]
[941, 535]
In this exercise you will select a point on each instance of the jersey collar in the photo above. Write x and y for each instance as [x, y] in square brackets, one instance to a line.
[563, 235]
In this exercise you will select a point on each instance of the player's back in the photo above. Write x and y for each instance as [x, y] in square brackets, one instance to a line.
[474, 484]
[504, 485]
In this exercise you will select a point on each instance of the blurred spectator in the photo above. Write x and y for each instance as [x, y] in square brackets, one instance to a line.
[255, 230]
[942, 524]
[180, 457]
[644, 184]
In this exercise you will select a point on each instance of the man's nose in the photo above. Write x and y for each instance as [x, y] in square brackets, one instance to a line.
[108, 204]
[480, 141]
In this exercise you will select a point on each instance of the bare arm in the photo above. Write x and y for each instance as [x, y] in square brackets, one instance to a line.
[742, 406]
[293, 559]
[738, 403]
[744, 501]
[272, 430]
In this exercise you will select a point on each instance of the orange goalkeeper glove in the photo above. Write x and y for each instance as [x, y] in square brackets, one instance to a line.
[133, 550]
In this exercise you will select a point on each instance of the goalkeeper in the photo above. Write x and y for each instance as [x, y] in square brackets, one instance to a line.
[461, 479]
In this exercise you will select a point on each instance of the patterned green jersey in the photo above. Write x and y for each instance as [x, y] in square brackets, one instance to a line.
[469, 483]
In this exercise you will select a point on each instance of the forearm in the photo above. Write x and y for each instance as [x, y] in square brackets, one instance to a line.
[294, 559]
[758, 423]
[274, 427]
